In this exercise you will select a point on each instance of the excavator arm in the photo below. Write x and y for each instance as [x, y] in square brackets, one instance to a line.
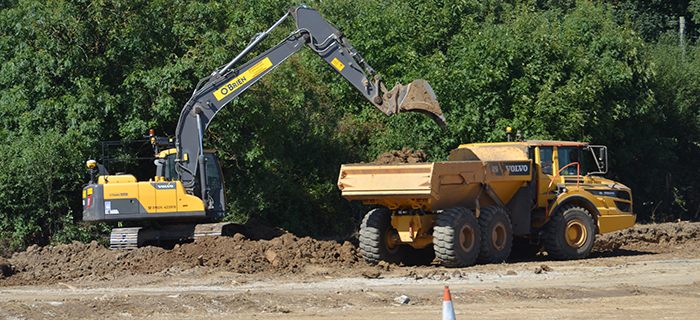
[224, 84]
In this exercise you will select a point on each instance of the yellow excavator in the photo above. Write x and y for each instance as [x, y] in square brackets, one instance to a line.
[188, 184]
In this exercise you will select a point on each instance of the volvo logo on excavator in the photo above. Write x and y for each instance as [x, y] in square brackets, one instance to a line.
[162, 186]
[221, 86]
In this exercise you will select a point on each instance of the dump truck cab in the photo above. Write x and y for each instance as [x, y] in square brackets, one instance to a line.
[563, 173]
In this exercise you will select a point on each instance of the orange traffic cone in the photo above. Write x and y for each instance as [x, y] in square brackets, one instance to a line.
[448, 310]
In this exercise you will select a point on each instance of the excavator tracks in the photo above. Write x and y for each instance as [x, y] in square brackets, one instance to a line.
[124, 238]
[135, 237]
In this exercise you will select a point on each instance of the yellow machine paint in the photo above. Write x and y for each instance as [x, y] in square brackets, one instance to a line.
[414, 229]
[247, 75]
[531, 185]
[154, 197]
[160, 195]
[122, 198]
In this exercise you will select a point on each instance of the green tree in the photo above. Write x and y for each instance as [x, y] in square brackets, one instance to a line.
[673, 192]
[73, 73]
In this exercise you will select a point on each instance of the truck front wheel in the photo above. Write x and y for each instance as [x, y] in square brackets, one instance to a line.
[456, 237]
[571, 233]
[496, 235]
[379, 241]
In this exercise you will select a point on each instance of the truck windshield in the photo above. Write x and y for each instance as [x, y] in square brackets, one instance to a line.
[569, 155]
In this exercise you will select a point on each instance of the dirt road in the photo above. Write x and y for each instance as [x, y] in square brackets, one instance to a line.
[647, 272]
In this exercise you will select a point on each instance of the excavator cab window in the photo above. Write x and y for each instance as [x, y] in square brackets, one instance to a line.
[215, 181]
[214, 176]
[170, 172]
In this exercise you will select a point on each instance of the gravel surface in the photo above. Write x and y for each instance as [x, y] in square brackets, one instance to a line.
[648, 271]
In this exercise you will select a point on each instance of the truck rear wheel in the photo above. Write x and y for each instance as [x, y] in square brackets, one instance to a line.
[571, 233]
[379, 241]
[456, 237]
[496, 235]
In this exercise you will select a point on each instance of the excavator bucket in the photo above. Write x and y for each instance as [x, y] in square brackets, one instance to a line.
[417, 96]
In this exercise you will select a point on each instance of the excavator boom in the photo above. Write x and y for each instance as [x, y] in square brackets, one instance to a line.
[188, 185]
[339, 53]
[225, 84]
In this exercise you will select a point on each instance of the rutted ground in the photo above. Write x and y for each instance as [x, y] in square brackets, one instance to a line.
[649, 271]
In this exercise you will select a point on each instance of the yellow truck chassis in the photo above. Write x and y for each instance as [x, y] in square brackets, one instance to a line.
[471, 207]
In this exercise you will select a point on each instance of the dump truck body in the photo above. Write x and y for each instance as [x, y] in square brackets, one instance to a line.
[524, 186]
[435, 185]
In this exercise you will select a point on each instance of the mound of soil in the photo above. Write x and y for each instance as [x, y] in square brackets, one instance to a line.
[285, 254]
[5, 268]
[401, 156]
[665, 234]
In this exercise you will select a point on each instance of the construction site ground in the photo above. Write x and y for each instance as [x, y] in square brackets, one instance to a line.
[646, 272]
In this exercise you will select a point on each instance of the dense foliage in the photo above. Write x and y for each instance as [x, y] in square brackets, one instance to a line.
[76, 72]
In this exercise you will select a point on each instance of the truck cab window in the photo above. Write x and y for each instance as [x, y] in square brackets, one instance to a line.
[546, 159]
[568, 155]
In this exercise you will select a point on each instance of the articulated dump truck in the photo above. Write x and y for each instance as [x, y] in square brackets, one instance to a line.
[471, 208]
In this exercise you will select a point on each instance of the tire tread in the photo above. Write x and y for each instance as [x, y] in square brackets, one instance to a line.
[444, 238]
[554, 244]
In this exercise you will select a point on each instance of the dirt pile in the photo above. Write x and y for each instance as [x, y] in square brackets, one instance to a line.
[283, 254]
[665, 234]
[286, 254]
[401, 156]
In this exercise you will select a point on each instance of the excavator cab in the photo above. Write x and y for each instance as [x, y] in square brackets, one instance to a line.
[166, 170]
[120, 197]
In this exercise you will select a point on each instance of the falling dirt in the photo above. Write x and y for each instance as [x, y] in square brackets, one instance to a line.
[401, 156]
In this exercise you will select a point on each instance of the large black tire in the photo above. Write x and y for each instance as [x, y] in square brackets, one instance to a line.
[456, 237]
[496, 235]
[570, 233]
[376, 238]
